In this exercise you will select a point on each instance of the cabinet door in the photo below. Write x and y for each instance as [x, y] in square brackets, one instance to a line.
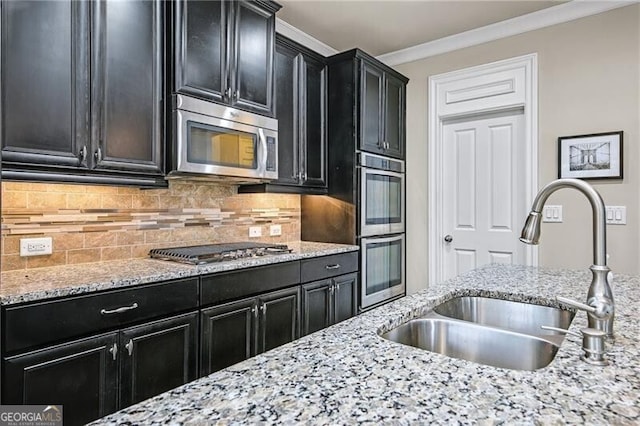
[394, 117]
[313, 144]
[82, 376]
[279, 318]
[44, 80]
[345, 297]
[201, 49]
[228, 335]
[127, 85]
[371, 109]
[157, 356]
[252, 71]
[286, 76]
[316, 306]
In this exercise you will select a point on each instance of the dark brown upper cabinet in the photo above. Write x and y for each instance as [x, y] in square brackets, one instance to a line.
[82, 91]
[301, 110]
[367, 104]
[224, 52]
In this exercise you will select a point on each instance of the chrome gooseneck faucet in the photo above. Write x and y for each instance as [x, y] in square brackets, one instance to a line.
[600, 305]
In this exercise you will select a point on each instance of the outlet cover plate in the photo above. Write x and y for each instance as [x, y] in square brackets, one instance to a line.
[255, 232]
[36, 246]
[275, 230]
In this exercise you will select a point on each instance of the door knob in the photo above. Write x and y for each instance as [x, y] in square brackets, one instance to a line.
[448, 238]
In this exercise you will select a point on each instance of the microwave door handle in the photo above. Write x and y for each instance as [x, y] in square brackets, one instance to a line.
[262, 155]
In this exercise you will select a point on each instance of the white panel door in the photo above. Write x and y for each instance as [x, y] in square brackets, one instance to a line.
[483, 192]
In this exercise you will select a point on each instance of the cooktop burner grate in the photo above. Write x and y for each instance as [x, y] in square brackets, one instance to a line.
[209, 253]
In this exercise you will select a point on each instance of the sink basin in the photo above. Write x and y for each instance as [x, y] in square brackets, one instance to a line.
[515, 316]
[495, 332]
[476, 343]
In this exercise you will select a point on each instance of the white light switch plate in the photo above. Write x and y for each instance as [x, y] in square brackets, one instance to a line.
[35, 246]
[617, 215]
[552, 214]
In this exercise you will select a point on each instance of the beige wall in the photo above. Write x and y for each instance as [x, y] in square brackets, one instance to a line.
[589, 82]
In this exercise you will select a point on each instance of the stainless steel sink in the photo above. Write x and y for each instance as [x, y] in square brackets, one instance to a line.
[476, 343]
[515, 316]
[494, 332]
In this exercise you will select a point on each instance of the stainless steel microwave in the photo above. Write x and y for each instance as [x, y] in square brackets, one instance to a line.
[218, 142]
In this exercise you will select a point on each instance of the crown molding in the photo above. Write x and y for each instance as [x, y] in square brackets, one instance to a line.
[303, 38]
[533, 21]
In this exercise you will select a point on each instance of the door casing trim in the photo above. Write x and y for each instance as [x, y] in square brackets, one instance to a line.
[436, 118]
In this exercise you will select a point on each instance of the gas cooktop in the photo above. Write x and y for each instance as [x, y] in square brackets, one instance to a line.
[209, 253]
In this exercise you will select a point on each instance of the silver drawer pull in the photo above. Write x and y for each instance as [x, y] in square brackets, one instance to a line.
[119, 310]
[336, 266]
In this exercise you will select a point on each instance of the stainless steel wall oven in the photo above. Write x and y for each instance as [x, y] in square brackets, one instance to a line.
[381, 195]
[382, 269]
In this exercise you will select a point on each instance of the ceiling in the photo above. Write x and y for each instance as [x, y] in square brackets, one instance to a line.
[380, 27]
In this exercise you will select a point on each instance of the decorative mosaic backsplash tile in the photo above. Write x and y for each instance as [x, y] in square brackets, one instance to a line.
[96, 223]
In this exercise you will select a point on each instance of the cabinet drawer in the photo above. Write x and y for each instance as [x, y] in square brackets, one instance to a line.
[46, 322]
[328, 266]
[235, 285]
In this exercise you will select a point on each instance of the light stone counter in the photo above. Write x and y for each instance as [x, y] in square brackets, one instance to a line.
[45, 283]
[347, 374]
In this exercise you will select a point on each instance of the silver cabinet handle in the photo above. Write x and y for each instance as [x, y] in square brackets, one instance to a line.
[227, 93]
[114, 351]
[332, 288]
[254, 311]
[236, 94]
[98, 154]
[329, 267]
[448, 238]
[129, 347]
[83, 154]
[263, 308]
[386, 145]
[304, 176]
[119, 310]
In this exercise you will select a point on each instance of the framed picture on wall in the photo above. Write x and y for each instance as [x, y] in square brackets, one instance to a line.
[596, 156]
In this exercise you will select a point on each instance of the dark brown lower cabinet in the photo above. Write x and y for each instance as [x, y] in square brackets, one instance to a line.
[327, 302]
[235, 331]
[82, 376]
[96, 376]
[157, 356]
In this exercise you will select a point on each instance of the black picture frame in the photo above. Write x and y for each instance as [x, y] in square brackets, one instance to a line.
[593, 156]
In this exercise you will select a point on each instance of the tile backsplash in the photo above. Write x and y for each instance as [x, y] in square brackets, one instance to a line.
[97, 223]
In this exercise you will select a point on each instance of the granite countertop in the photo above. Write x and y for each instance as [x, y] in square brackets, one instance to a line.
[44, 283]
[347, 374]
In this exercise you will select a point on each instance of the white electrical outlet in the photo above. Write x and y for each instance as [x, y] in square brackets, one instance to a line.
[275, 230]
[552, 214]
[36, 246]
[255, 231]
[617, 215]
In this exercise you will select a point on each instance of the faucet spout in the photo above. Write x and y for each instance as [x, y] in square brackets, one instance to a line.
[597, 207]
[599, 295]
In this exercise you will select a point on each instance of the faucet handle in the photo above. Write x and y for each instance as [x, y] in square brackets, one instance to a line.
[592, 344]
[560, 330]
[576, 305]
